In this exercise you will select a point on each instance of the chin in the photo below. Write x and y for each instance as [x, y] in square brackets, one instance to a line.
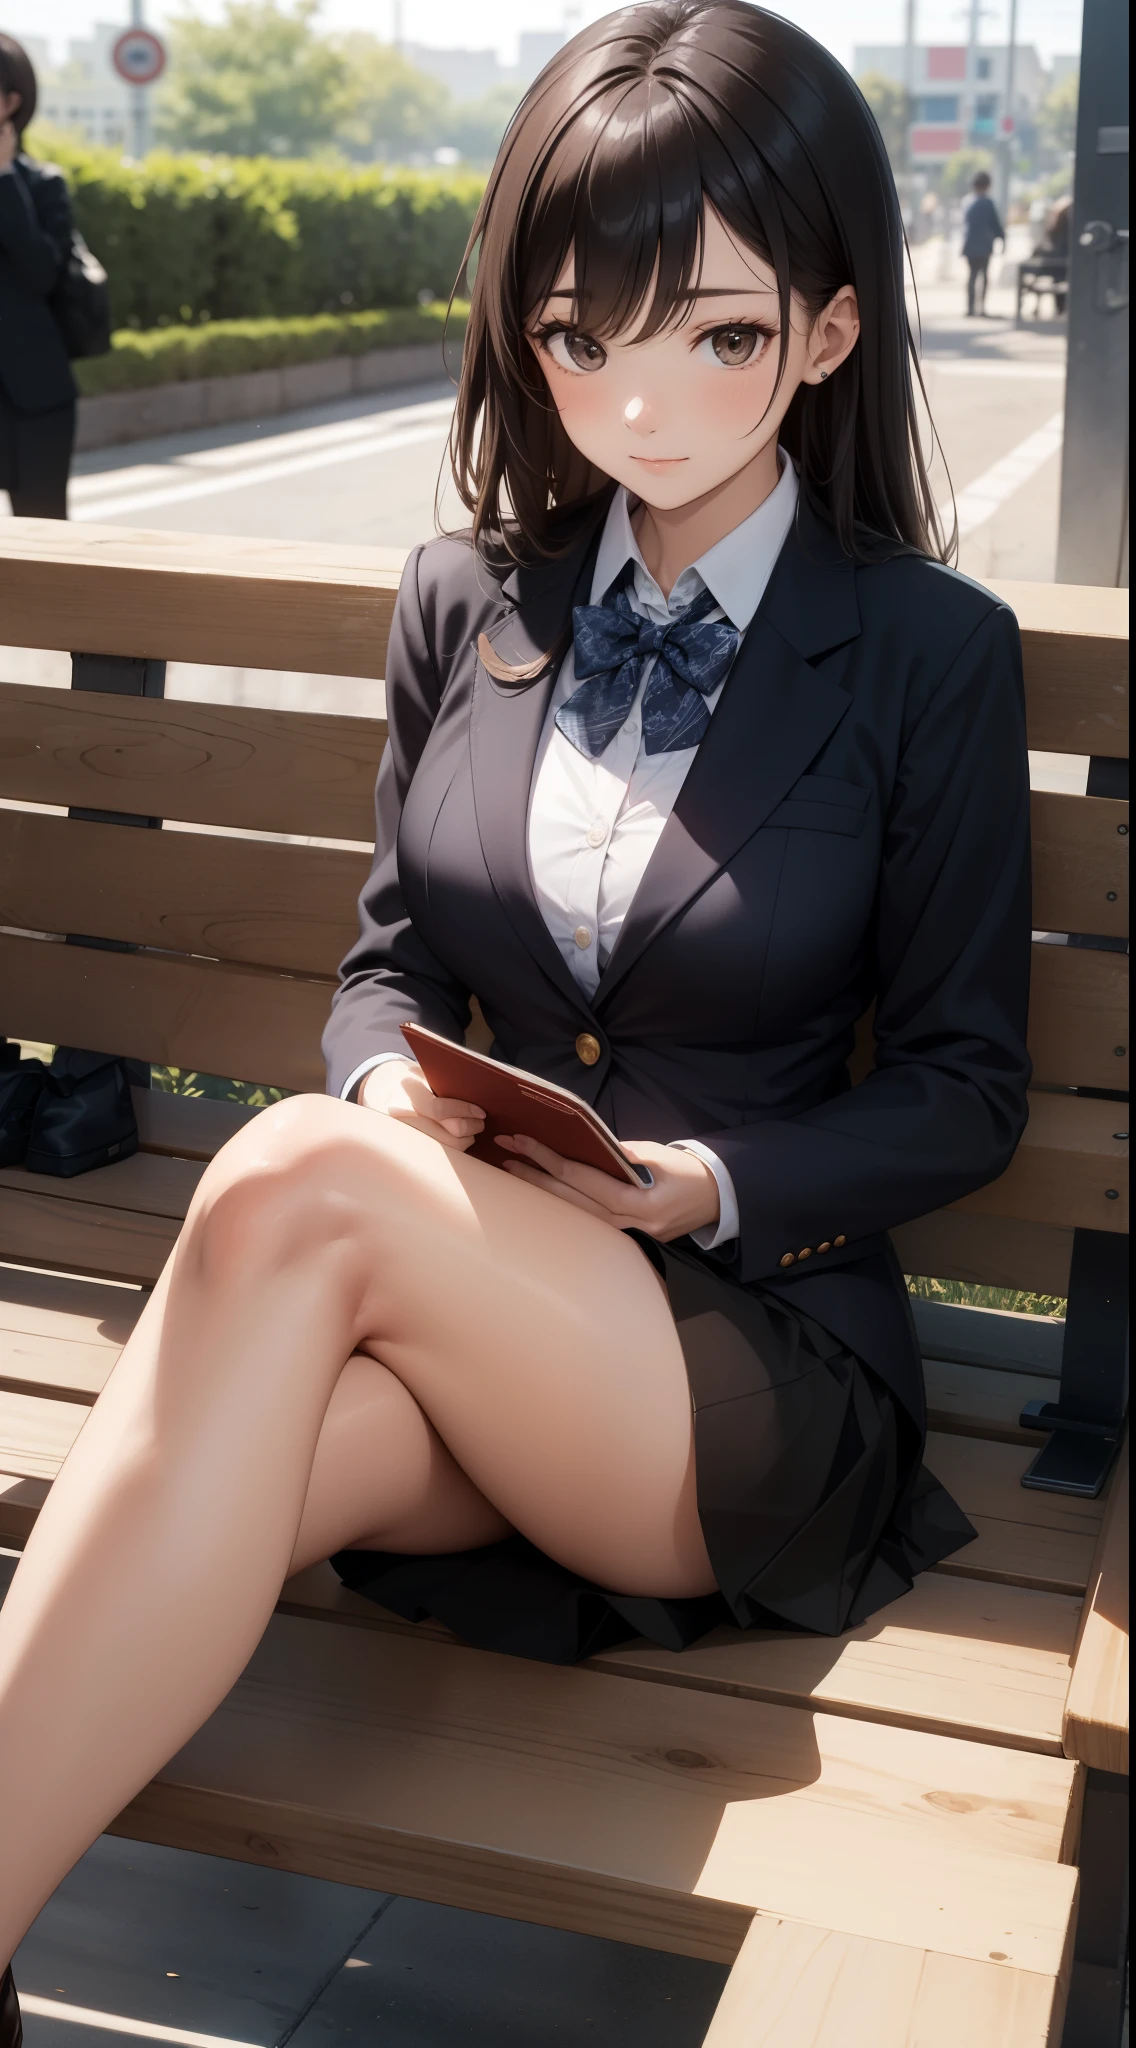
[671, 492]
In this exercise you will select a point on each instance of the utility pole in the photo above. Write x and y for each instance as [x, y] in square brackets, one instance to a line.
[396, 24]
[973, 32]
[140, 103]
[908, 81]
[1008, 135]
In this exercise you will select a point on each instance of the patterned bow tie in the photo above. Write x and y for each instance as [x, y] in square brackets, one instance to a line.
[612, 644]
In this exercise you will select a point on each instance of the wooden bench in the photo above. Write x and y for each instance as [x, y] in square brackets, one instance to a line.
[883, 1834]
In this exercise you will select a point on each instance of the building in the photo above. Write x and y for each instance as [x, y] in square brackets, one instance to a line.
[469, 74]
[85, 95]
[959, 94]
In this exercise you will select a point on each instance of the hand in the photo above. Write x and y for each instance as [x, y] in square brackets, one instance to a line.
[9, 145]
[400, 1089]
[684, 1197]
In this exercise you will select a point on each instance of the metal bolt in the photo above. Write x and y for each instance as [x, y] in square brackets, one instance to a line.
[1110, 896]
[1112, 1194]
[1120, 1051]
[1122, 1135]
[1123, 831]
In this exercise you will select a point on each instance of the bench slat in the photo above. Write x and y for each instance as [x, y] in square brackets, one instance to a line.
[204, 764]
[1075, 649]
[198, 1014]
[987, 1251]
[1096, 1712]
[1080, 860]
[1078, 1017]
[646, 1812]
[794, 1986]
[223, 598]
[1069, 1159]
[233, 899]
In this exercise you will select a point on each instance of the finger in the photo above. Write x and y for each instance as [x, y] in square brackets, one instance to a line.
[443, 1106]
[453, 1142]
[600, 1187]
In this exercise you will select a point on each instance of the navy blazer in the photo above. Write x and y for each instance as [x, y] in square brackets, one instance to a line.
[854, 829]
[35, 245]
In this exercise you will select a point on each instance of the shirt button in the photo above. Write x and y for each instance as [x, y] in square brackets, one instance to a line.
[597, 833]
[588, 1048]
[787, 1259]
[631, 729]
[582, 936]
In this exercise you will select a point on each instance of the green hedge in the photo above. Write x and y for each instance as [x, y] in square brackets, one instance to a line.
[223, 348]
[186, 239]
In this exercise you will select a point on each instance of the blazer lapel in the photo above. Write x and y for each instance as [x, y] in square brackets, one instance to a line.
[773, 717]
[505, 730]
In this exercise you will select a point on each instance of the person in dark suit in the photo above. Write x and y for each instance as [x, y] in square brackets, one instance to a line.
[982, 227]
[37, 389]
[697, 750]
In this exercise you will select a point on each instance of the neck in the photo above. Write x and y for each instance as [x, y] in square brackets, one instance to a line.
[671, 537]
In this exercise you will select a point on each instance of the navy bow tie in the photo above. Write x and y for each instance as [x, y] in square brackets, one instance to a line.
[612, 643]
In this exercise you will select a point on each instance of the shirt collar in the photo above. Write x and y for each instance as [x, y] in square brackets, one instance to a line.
[736, 569]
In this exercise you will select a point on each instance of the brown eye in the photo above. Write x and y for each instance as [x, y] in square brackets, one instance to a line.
[734, 345]
[573, 351]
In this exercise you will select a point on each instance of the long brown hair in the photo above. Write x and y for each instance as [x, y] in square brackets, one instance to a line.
[611, 157]
[17, 74]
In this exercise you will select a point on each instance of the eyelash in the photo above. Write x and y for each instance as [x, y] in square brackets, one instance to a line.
[545, 334]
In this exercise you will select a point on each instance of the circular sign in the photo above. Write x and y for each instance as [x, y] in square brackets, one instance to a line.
[139, 56]
[1006, 124]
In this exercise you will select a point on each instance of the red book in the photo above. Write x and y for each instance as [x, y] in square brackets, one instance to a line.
[517, 1104]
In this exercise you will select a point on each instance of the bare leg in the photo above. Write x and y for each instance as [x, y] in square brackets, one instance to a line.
[534, 1338]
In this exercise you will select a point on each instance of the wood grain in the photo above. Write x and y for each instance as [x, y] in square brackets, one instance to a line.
[1080, 863]
[36, 1434]
[214, 1018]
[1075, 651]
[967, 1401]
[795, 1986]
[186, 1126]
[1024, 1538]
[204, 764]
[199, 597]
[952, 1657]
[224, 897]
[585, 1800]
[1078, 1018]
[82, 1237]
[1097, 1709]
[1069, 1160]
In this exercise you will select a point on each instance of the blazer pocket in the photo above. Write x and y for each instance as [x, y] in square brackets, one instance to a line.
[824, 803]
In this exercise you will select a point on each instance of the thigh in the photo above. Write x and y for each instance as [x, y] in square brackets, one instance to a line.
[536, 1339]
[382, 1479]
[541, 1346]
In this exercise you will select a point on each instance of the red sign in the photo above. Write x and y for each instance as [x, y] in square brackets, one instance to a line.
[947, 61]
[937, 142]
[1006, 124]
[139, 56]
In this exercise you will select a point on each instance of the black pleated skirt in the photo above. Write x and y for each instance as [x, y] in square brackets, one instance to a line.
[813, 1498]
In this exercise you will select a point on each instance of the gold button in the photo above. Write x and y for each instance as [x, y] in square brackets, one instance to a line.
[788, 1259]
[825, 1247]
[588, 1048]
[807, 1253]
[838, 1240]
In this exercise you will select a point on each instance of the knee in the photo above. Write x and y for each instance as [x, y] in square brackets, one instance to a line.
[286, 1189]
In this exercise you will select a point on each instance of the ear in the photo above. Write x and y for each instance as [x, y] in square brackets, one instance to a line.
[833, 335]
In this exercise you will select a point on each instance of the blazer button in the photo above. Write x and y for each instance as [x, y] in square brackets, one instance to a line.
[588, 1048]
[825, 1247]
[839, 1240]
[807, 1253]
[789, 1259]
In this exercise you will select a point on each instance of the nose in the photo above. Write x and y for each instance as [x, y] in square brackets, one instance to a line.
[638, 414]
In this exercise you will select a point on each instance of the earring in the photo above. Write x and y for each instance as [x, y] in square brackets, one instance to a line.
[823, 375]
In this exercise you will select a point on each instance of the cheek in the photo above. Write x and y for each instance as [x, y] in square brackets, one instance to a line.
[732, 402]
[587, 408]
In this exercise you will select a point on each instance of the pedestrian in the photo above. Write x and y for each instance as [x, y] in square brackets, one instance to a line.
[982, 227]
[37, 389]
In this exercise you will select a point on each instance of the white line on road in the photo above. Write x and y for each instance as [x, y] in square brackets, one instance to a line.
[186, 490]
[1016, 373]
[975, 504]
[117, 2023]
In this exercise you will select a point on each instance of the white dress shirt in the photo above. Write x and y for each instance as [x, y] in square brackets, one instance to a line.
[594, 824]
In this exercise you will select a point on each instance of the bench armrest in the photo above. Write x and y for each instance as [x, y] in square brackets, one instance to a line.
[1096, 1708]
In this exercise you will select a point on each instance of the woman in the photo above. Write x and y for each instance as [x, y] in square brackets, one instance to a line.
[37, 389]
[693, 752]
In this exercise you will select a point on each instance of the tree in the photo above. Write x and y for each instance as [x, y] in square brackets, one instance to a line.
[959, 171]
[475, 127]
[261, 81]
[393, 109]
[888, 102]
[1057, 116]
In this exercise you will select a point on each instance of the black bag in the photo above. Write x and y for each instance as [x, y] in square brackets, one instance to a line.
[81, 302]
